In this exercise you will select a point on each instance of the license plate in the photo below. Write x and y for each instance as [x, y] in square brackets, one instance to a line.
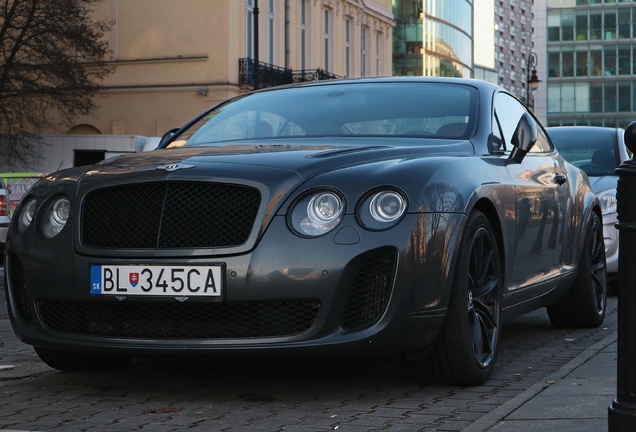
[152, 280]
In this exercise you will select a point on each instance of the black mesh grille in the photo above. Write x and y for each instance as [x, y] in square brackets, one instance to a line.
[180, 320]
[370, 290]
[169, 215]
[19, 290]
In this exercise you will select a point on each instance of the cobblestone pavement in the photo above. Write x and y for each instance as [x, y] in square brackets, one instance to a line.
[344, 395]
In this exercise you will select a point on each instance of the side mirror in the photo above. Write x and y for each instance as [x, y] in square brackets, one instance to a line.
[167, 136]
[524, 137]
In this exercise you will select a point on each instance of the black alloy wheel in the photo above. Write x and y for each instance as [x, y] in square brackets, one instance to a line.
[484, 304]
[584, 305]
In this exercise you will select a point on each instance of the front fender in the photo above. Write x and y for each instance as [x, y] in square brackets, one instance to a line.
[584, 202]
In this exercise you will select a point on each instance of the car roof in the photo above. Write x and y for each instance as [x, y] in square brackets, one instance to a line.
[480, 84]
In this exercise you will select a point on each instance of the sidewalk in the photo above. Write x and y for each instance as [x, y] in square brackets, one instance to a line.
[573, 399]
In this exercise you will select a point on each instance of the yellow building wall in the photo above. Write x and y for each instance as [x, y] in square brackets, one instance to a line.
[176, 58]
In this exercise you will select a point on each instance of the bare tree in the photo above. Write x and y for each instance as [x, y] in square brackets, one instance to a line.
[51, 65]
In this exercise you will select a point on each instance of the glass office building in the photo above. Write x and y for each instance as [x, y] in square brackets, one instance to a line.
[514, 46]
[591, 46]
[433, 38]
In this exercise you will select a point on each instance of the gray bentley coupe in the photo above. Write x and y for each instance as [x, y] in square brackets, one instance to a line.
[358, 217]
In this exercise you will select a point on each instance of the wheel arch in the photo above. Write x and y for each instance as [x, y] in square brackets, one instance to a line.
[591, 205]
[490, 210]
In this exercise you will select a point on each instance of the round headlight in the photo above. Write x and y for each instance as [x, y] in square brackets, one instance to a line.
[387, 206]
[317, 213]
[324, 208]
[381, 209]
[55, 216]
[27, 213]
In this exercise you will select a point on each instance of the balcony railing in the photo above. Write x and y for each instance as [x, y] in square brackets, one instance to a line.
[270, 75]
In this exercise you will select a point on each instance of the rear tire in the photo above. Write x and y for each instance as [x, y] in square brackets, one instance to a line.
[79, 362]
[466, 349]
[585, 303]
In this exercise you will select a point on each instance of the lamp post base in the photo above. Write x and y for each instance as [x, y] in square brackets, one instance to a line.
[621, 417]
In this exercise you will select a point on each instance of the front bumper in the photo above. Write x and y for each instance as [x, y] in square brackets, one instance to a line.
[351, 291]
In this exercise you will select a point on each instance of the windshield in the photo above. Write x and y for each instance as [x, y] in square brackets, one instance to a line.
[348, 109]
[594, 151]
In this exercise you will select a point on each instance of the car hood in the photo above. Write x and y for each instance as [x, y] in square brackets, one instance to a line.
[249, 161]
[603, 183]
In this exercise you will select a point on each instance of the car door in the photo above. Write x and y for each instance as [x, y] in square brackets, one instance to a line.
[542, 197]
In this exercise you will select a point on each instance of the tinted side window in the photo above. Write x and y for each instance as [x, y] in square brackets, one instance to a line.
[542, 144]
[508, 111]
[497, 137]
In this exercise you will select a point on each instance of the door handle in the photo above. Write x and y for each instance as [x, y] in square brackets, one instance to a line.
[560, 179]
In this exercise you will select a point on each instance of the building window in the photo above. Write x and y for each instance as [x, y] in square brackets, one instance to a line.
[567, 26]
[596, 97]
[609, 24]
[554, 98]
[596, 26]
[567, 97]
[609, 54]
[363, 52]
[326, 38]
[624, 96]
[624, 60]
[567, 63]
[582, 95]
[610, 98]
[249, 27]
[624, 30]
[596, 62]
[554, 65]
[554, 27]
[581, 26]
[581, 64]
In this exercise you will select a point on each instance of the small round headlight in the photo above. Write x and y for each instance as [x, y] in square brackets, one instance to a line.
[317, 213]
[387, 206]
[26, 215]
[381, 209]
[55, 215]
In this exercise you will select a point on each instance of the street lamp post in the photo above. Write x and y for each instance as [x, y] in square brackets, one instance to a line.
[622, 412]
[532, 79]
[256, 42]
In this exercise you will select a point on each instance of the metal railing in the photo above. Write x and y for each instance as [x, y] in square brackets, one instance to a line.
[313, 75]
[269, 75]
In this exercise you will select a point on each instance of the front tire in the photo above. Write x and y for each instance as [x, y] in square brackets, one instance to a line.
[466, 349]
[585, 303]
